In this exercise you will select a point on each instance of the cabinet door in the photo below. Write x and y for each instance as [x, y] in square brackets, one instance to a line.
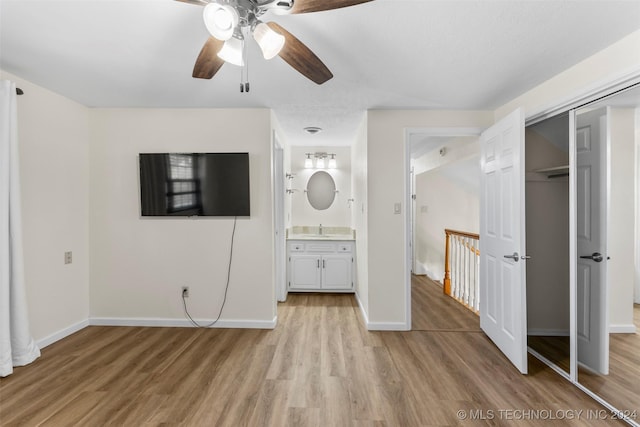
[304, 272]
[336, 272]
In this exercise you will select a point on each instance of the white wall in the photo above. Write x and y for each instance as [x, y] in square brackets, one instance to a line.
[339, 213]
[617, 60]
[386, 154]
[53, 137]
[621, 221]
[444, 199]
[547, 237]
[459, 148]
[360, 213]
[138, 265]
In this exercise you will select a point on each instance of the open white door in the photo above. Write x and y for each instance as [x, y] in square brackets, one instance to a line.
[591, 177]
[503, 308]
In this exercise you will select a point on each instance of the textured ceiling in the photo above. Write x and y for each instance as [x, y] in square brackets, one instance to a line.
[386, 54]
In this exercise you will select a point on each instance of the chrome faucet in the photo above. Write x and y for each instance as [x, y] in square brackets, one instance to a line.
[320, 230]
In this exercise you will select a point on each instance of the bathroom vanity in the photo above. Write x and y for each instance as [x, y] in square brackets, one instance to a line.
[320, 262]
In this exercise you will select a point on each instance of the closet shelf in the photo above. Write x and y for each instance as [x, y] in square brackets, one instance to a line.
[554, 172]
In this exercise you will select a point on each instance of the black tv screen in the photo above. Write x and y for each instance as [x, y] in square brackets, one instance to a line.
[194, 184]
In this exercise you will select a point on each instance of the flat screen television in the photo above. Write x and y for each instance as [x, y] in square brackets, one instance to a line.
[194, 184]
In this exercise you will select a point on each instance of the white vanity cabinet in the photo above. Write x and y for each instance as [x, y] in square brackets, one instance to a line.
[320, 266]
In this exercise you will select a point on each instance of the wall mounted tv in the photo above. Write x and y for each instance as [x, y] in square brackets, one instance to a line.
[194, 184]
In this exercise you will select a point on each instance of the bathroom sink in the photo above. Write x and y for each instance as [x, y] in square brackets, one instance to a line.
[322, 236]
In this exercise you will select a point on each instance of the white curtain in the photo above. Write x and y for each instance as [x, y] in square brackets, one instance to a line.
[17, 347]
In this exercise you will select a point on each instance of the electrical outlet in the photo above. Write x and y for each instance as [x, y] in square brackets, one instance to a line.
[68, 259]
[185, 291]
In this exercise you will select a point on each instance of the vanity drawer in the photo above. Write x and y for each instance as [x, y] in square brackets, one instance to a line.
[320, 247]
[296, 247]
[344, 247]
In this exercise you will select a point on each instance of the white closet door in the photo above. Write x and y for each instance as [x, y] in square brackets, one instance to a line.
[503, 308]
[592, 301]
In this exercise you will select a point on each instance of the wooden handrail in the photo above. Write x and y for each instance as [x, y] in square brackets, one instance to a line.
[448, 231]
[446, 288]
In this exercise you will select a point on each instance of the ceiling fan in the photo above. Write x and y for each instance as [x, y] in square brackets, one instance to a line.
[230, 21]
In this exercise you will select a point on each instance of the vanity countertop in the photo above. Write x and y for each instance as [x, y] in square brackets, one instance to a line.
[313, 233]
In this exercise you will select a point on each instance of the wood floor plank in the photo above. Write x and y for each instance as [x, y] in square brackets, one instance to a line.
[319, 367]
[431, 311]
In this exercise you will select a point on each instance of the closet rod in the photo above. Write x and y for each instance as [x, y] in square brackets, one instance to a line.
[558, 175]
[19, 91]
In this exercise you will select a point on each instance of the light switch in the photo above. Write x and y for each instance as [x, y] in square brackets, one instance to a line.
[68, 258]
[397, 208]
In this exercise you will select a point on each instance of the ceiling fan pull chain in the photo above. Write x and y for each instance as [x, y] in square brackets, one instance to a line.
[246, 63]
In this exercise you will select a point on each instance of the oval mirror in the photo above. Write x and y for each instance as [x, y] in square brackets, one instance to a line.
[321, 190]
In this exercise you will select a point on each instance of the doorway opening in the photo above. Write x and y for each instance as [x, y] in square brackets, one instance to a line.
[442, 182]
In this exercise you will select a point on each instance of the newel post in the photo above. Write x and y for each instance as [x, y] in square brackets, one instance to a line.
[447, 271]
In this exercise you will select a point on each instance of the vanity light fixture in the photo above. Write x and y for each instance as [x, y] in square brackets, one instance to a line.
[332, 162]
[308, 163]
[320, 160]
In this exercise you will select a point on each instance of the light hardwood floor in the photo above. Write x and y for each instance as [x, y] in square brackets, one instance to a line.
[621, 387]
[319, 367]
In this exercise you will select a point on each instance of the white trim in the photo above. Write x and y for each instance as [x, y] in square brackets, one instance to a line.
[591, 394]
[182, 323]
[365, 318]
[573, 250]
[606, 404]
[622, 329]
[387, 326]
[62, 333]
[549, 363]
[450, 131]
[588, 94]
[549, 332]
[421, 269]
[379, 326]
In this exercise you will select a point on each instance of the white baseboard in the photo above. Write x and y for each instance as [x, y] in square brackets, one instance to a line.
[548, 332]
[362, 310]
[63, 333]
[421, 269]
[433, 277]
[387, 326]
[622, 329]
[182, 323]
[379, 326]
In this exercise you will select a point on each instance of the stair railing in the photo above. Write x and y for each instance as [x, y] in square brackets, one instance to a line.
[461, 267]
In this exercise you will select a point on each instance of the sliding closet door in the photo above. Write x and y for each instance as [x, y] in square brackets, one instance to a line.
[592, 298]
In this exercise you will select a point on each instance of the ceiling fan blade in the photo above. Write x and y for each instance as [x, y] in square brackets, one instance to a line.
[196, 2]
[308, 6]
[300, 57]
[208, 62]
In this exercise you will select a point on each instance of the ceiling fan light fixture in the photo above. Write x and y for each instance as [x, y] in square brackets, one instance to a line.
[220, 20]
[270, 42]
[231, 51]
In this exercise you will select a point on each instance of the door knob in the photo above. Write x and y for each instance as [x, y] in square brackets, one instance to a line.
[596, 256]
[514, 257]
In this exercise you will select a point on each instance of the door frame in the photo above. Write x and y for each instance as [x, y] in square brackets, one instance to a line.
[409, 184]
[279, 255]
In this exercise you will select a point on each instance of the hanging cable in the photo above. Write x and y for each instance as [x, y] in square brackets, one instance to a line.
[226, 288]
